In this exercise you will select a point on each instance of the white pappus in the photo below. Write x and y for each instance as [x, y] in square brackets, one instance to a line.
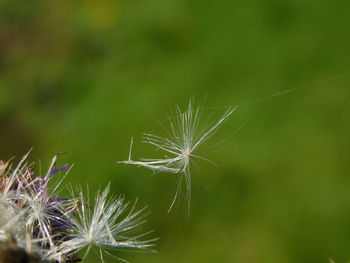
[181, 143]
[41, 226]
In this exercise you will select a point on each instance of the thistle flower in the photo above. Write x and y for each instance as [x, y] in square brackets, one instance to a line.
[182, 142]
[43, 227]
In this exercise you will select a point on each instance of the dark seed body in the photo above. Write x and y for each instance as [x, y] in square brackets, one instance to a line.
[15, 255]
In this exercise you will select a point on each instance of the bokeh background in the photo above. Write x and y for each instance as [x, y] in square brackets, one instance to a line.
[85, 76]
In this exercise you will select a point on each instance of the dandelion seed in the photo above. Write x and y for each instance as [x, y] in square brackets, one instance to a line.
[182, 142]
[107, 227]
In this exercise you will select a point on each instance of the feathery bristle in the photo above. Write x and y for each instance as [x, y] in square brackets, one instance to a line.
[182, 142]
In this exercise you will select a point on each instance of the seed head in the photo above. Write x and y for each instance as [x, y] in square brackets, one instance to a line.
[37, 225]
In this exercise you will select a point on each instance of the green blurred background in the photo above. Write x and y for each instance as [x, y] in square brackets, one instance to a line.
[85, 76]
